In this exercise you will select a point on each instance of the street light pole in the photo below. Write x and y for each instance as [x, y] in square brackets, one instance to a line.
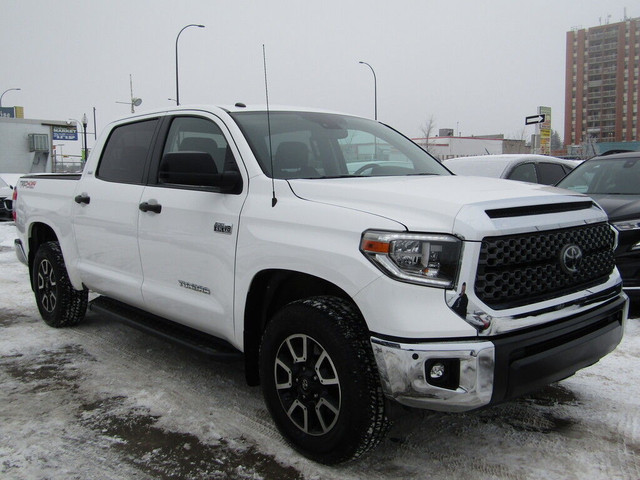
[84, 135]
[375, 90]
[8, 90]
[177, 38]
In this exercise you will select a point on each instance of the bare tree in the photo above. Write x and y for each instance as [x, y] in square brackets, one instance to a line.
[428, 130]
[520, 134]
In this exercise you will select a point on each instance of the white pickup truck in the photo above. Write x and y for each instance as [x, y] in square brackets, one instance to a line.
[349, 269]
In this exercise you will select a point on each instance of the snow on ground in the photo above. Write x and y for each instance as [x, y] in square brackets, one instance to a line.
[104, 401]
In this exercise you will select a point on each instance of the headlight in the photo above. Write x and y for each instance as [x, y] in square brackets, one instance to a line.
[627, 225]
[425, 259]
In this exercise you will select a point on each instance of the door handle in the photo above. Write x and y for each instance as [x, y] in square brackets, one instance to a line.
[83, 198]
[148, 207]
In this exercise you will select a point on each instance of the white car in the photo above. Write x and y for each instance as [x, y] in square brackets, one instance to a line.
[7, 183]
[526, 168]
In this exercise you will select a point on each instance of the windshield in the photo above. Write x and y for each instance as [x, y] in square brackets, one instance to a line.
[606, 176]
[321, 145]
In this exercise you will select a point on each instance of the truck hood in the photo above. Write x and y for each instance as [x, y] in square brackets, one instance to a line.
[444, 204]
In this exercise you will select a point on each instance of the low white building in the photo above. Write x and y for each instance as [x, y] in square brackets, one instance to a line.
[26, 146]
[446, 147]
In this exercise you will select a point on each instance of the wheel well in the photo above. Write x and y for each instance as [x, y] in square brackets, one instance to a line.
[269, 292]
[40, 233]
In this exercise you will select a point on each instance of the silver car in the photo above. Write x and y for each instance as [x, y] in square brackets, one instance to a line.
[523, 167]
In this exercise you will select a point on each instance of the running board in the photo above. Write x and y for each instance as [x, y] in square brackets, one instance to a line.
[208, 345]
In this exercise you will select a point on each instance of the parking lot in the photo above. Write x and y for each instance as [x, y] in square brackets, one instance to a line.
[104, 401]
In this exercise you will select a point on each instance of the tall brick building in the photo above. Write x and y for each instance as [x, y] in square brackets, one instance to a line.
[602, 84]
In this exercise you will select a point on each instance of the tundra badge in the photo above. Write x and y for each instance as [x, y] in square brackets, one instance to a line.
[223, 228]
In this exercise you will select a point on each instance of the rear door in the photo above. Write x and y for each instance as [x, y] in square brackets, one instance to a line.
[188, 241]
[106, 213]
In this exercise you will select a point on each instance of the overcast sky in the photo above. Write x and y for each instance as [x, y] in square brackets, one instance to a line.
[478, 67]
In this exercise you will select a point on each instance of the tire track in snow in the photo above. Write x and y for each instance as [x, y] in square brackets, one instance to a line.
[188, 379]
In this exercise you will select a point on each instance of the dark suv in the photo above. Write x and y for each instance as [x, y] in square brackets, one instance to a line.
[613, 181]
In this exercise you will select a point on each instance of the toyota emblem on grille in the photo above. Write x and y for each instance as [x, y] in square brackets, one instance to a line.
[571, 258]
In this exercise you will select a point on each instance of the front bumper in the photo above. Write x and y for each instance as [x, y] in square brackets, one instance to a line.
[629, 267]
[492, 370]
[6, 209]
[627, 256]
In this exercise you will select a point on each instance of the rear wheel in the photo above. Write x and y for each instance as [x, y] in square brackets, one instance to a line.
[320, 381]
[60, 304]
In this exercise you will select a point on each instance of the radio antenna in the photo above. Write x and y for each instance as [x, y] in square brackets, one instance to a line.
[274, 200]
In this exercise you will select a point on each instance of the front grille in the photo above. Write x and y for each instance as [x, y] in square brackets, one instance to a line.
[518, 269]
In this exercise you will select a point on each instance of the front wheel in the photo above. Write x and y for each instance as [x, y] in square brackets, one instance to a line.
[320, 381]
[60, 304]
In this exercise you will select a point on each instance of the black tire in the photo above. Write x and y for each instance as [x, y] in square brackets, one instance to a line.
[328, 403]
[60, 304]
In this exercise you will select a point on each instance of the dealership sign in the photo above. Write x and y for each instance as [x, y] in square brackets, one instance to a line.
[544, 130]
[65, 133]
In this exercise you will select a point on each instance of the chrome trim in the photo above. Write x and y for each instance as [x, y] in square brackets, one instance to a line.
[402, 374]
[491, 322]
[20, 253]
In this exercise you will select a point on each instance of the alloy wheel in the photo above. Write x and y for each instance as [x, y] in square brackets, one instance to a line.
[47, 286]
[307, 384]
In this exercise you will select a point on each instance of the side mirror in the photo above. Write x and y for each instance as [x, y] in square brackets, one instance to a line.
[197, 169]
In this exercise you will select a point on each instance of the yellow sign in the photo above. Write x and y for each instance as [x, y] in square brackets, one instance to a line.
[545, 130]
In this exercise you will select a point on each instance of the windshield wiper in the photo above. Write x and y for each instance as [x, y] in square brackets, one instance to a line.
[338, 176]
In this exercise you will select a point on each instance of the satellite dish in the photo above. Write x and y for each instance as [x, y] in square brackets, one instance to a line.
[136, 102]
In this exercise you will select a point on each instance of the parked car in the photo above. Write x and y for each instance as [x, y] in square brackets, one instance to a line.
[11, 178]
[8, 182]
[613, 181]
[526, 168]
[5, 199]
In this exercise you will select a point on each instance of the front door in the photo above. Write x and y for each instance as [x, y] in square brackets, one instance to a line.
[188, 238]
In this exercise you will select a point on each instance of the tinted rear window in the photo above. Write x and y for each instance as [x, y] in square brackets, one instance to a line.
[524, 173]
[550, 173]
[125, 154]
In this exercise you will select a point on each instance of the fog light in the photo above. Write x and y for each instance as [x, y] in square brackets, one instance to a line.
[443, 372]
[437, 371]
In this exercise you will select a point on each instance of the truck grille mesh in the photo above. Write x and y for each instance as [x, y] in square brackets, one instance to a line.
[518, 269]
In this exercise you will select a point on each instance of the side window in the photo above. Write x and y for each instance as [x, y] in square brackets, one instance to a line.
[125, 154]
[193, 134]
[525, 173]
[550, 173]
